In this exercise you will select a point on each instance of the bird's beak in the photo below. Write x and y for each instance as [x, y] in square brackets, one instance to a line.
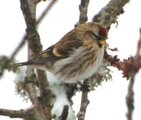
[103, 42]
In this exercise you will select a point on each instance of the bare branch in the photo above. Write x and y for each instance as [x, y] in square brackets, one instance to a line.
[84, 101]
[83, 107]
[138, 46]
[130, 68]
[13, 113]
[109, 13]
[46, 11]
[33, 36]
[83, 8]
[130, 99]
[24, 38]
[27, 114]
[33, 96]
[35, 45]
[130, 95]
[29, 8]
[64, 113]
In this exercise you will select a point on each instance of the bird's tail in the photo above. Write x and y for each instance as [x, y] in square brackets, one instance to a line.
[22, 64]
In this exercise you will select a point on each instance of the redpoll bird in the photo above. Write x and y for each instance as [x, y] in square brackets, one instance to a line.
[77, 56]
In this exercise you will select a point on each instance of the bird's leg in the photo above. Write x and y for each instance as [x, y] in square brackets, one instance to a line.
[85, 85]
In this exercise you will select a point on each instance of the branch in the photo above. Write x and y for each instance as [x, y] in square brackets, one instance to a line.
[138, 46]
[129, 66]
[29, 12]
[33, 36]
[24, 38]
[13, 113]
[130, 95]
[83, 8]
[35, 45]
[64, 114]
[130, 99]
[30, 87]
[84, 101]
[46, 11]
[27, 114]
[109, 13]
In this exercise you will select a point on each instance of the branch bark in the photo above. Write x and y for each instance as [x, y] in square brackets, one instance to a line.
[109, 13]
[24, 38]
[29, 12]
[83, 8]
[84, 102]
[27, 114]
[13, 113]
[130, 95]
[64, 114]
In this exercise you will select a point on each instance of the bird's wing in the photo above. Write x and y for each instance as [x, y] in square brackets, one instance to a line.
[64, 47]
[67, 45]
[61, 50]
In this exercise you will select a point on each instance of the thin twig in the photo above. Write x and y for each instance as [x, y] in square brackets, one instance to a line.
[130, 99]
[29, 12]
[138, 46]
[130, 95]
[24, 38]
[46, 11]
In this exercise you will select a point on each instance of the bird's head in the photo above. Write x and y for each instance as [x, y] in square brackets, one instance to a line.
[96, 31]
[99, 33]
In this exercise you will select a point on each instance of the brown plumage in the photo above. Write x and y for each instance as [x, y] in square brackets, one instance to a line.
[76, 56]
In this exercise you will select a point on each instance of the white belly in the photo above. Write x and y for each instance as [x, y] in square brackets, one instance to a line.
[89, 71]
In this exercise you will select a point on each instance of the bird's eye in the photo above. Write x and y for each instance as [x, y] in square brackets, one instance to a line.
[95, 36]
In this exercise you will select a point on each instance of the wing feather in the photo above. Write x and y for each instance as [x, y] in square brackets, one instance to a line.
[67, 44]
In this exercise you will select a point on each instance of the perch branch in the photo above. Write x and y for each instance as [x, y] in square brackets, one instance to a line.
[83, 8]
[84, 100]
[84, 104]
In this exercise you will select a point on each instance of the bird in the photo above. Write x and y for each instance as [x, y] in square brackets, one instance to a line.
[76, 56]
